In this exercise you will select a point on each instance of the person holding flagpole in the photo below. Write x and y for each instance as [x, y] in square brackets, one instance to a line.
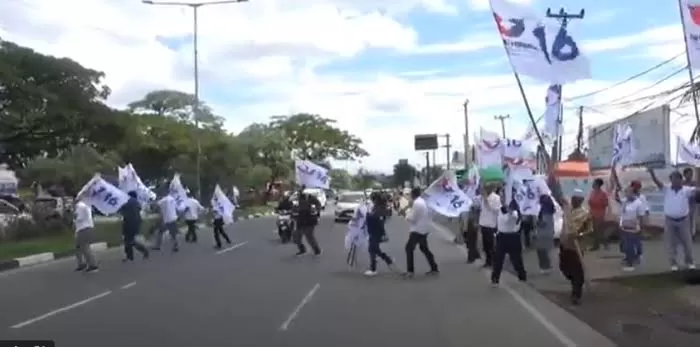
[218, 226]
[131, 225]
[375, 220]
[168, 214]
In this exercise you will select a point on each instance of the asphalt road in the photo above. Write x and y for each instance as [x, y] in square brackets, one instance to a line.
[257, 294]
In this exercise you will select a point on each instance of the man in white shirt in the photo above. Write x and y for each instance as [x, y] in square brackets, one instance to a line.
[488, 221]
[419, 221]
[84, 235]
[168, 214]
[192, 210]
[677, 209]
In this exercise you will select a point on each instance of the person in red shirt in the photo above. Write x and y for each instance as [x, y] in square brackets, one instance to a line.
[598, 204]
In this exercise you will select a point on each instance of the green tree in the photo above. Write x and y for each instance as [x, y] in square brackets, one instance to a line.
[315, 138]
[340, 179]
[267, 146]
[177, 105]
[403, 172]
[72, 169]
[48, 105]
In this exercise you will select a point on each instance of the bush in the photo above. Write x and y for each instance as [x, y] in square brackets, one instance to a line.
[22, 227]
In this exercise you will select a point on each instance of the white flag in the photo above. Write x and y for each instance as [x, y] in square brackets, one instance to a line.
[222, 205]
[129, 181]
[311, 175]
[623, 150]
[546, 52]
[690, 13]
[444, 196]
[103, 196]
[489, 149]
[357, 228]
[553, 111]
[687, 152]
[178, 192]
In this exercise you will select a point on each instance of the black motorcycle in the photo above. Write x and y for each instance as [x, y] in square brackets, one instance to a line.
[285, 225]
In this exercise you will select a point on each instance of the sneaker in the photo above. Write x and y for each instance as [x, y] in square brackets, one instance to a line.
[300, 253]
[628, 268]
[576, 301]
[432, 273]
[316, 254]
[370, 273]
[408, 274]
[691, 266]
[81, 268]
[93, 268]
[126, 260]
[674, 267]
[495, 284]
[545, 271]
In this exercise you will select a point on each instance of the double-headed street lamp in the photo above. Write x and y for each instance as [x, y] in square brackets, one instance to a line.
[195, 6]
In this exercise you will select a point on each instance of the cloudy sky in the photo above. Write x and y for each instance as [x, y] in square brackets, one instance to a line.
[385, 70]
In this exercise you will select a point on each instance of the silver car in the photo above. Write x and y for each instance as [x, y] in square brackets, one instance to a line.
[346, 205]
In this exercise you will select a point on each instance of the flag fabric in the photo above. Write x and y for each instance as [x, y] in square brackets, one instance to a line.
[690, 18]
[545, 51]
[178, 192]
[311, 175]
[623, 150]
[552, 113]
[223, 206]
[103, 196]
[687, 152]
[445, 197]
[129, 181]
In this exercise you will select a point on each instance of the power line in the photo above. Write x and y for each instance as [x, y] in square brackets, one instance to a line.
[626, 80]
[658, 82]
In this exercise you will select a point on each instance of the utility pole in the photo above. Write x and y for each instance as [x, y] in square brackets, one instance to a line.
[467, 150]
[502, 118]
[447, 149]
[427, 168]
[563, 17]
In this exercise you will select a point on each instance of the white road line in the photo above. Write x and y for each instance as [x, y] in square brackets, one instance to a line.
[535, 313]
[231, 248]
[60, 310]
[128, 285]
[301, 305]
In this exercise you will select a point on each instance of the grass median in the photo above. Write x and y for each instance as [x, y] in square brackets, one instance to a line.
[64, 242]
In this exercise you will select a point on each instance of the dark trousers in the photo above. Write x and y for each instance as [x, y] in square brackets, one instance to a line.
[191, 235]
[130, 242]
[511, 245]
[487, 244]
[526, 227]
[306, 231]
[375, 250]
[471, 238]
[219, 233]
[571, 267]
[600, 235]
[420, 240]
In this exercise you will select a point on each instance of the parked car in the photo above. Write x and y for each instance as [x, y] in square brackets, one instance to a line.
[346, 205]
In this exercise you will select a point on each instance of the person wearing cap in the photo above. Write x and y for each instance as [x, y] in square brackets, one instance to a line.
[131, 225]
[677, 210]
[577, 222]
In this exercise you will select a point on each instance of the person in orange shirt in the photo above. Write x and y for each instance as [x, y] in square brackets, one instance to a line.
[598, 204]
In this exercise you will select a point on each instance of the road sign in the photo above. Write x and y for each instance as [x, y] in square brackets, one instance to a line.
[425, 142]
[403, 161]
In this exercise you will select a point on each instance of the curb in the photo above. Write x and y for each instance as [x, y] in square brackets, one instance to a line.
[46, 257]
[256, 216]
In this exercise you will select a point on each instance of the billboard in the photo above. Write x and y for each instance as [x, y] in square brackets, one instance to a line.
[652, 139]
[425, 142]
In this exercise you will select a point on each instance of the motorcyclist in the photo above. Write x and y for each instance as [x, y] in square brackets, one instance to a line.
[286, 203]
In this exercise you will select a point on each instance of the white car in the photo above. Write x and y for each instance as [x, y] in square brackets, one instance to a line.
[346, 205]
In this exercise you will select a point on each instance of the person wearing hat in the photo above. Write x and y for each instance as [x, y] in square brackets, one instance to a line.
[577, 222]
[131, 225]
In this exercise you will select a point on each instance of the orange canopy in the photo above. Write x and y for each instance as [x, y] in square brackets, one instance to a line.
[573, 168]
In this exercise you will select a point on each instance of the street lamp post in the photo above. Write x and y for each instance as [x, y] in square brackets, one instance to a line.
[195, 109]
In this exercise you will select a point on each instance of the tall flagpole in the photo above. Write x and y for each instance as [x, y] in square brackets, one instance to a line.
[695, 136]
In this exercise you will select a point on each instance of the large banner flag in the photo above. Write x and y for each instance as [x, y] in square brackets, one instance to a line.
[623, 150]
[223, 206]
[311, 175]
[688, 152]
[489, 149]
[102, 195]
[690, 13]
[178, 192]
[129, 181]
[543, 51]
[444, 196]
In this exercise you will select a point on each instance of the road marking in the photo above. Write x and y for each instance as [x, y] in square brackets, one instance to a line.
[128, 285]
[535, 313]
[60, 310]
[231, 248]
[301, 305]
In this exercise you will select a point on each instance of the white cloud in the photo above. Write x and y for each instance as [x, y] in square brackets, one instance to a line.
[483, 5]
